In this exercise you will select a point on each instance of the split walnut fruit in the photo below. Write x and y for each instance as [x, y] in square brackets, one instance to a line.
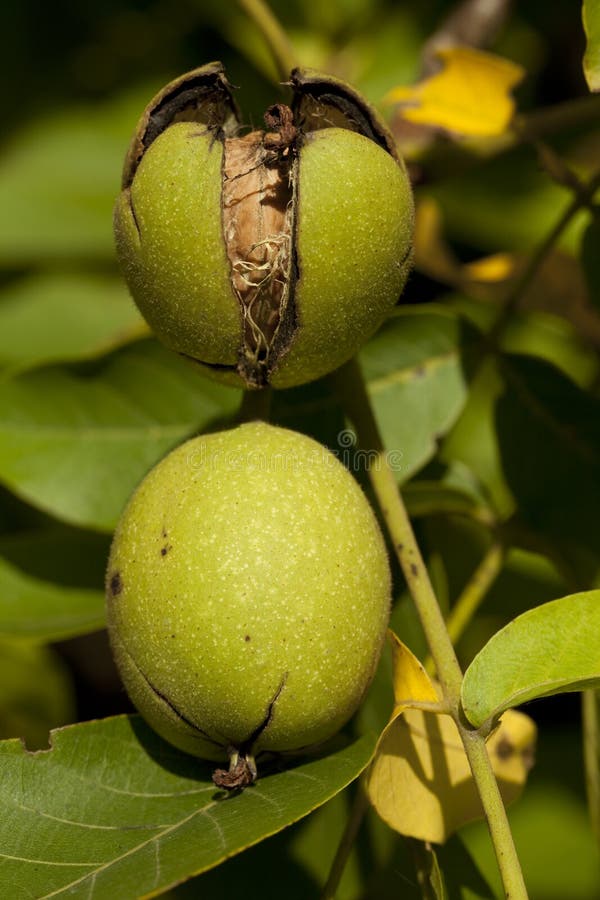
[268, 258]
[248, 594]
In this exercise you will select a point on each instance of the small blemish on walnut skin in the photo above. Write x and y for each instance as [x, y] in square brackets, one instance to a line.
[164, 550]
[247, 638]
[414, 569]
[116, 584]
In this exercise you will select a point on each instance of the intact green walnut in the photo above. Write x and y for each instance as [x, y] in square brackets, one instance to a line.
[267, 258]
[248, 593]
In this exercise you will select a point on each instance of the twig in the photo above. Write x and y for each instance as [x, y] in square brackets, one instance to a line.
[276, 38]
[255, 405]
[591, 756]
[582, 198]
[475, 590]
[357, 813]
[560, 117]
[352, 389]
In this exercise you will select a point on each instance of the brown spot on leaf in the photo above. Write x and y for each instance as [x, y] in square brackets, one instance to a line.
[504, 749]
[116, 584]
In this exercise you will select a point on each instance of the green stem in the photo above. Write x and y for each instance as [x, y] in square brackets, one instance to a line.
[353, 392]
[591, 755]
[357, 813]
[255, 405]
[475, 590]
[276, 38]
[547, 121]
[583, 198]
[495, 813]
[351, 387]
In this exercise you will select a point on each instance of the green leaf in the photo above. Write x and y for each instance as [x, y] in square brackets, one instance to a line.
[416, 383]
[59, 178]
[37, 693]
[537, 333]
[507, 202]
[473, 440]
[42, 611]
[58, 553]
[591, 59]
[548, 433]
[532, 437]
[111, 810]
[76, 444]
[428, 869]
[462, 876]
[56, 318]
[428, 498]
[527, 579]
[548, 650]
[381, 864]
[244, 874]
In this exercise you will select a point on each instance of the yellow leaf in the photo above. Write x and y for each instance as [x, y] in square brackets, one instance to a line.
[498, 267]
[470, 95]
[420, 782]
[410, 681]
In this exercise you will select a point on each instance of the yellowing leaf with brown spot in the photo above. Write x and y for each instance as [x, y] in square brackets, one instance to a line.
[420, 782]
[470, 96]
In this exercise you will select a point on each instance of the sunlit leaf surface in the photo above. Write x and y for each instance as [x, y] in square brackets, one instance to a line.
[133, 816]
[76, 444]
[43, 610]
[550, 649]
[59, 318]
[591, 59]
[420, 781]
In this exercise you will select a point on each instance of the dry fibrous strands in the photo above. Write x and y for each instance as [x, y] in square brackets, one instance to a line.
[257, 224]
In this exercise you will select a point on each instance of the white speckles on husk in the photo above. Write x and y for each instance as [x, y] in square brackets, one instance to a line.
[249, 563]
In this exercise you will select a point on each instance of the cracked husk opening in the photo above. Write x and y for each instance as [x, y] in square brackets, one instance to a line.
[258, 230]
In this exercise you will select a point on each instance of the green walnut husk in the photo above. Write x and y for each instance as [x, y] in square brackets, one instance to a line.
[248, 593]
[267, 258]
